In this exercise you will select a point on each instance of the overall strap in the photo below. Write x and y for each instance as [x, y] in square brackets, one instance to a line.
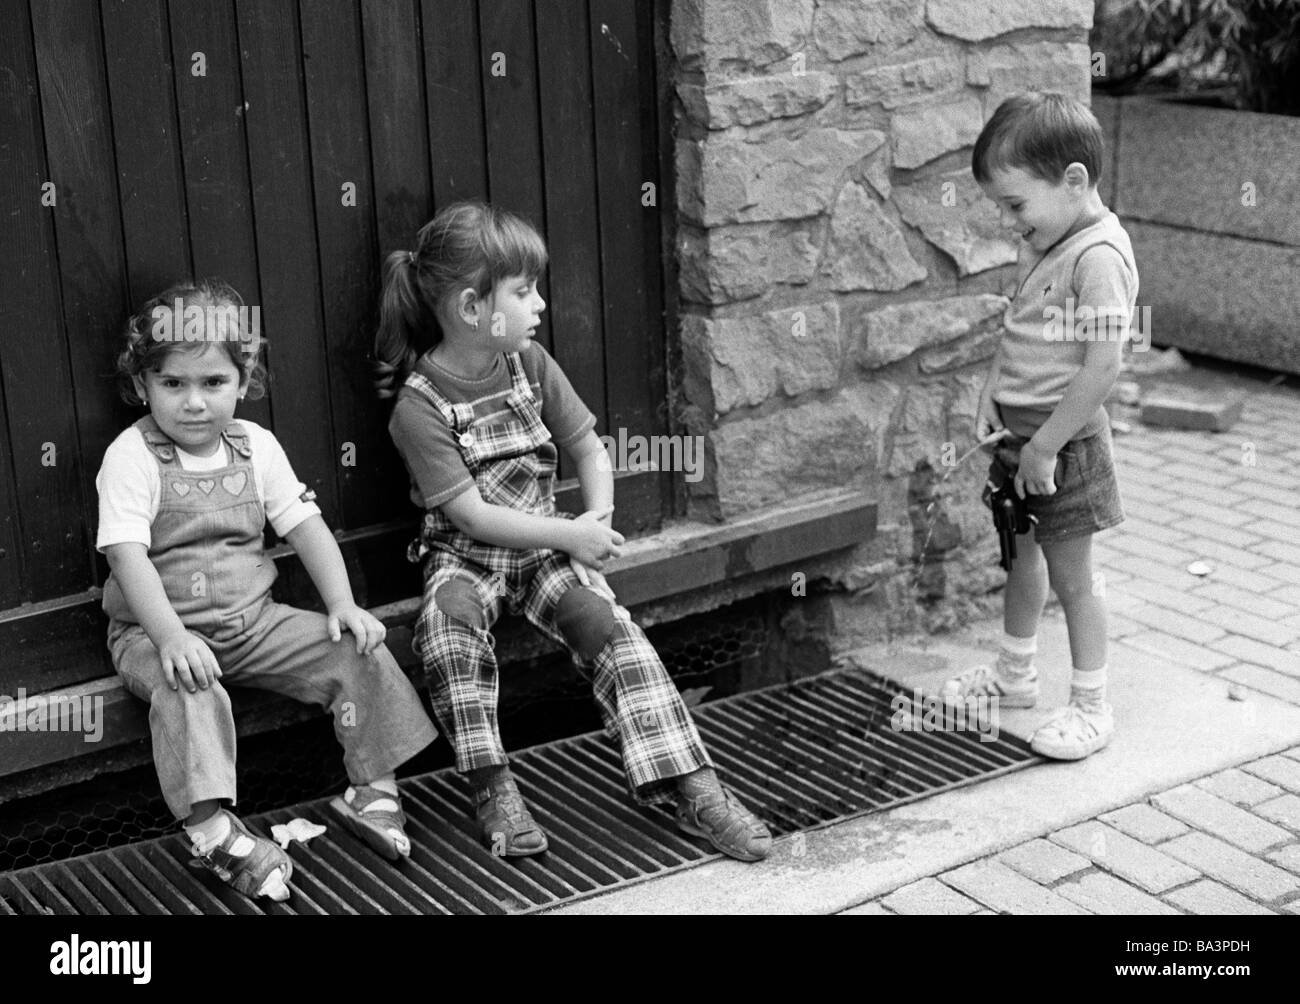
[459, 416]
[159, 443]
[237, 436]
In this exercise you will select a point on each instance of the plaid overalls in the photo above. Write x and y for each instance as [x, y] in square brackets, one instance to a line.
[512, 461]
[206, 544]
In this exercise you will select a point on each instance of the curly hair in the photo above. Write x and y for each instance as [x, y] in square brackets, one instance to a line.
[164, 325]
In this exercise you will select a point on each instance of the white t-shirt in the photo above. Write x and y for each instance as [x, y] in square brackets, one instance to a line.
[130, 488]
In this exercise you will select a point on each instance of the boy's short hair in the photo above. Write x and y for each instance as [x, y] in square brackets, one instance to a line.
[1041, 134]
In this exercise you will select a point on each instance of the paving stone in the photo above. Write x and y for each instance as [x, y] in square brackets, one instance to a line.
[1140, 523]
[1287, 594]
[1168, 597]
[1293, 906]
[1270, 529]
[1130, 859]
[1253, 603]
[1278, 551]
[1238, 787]
[1240, 622]
[928, 897]
[1288, 857]
[1197, 630]
[1043, 861]
[1249, 650]
[1284, 809]
[1294, 754]
[1164, 574]
[1178, 651]
[1209, 898]
[866, 910]
[1145, 823]
[1232, 866]
[1215, 530]
[1208, 812]
[1284, 513]
[1232, 564]
[1215, 495]
[1105, 894]
[1264, 680]
[1149, 549]
[1284, 571]
[1118, 626]
[1176, 474]
[1280, 770]
[1207, 511]
[1006, 890]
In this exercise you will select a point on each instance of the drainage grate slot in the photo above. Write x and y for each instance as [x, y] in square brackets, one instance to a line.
[803, 756]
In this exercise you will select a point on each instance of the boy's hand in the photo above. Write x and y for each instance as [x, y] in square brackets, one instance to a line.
[368, 629]
[187, 661]
[987, 419]
[593, 543]
[1037, 472]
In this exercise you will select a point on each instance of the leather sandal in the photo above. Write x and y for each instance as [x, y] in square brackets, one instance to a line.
[719, 817]
[371, 815]
[506, 826]
[250, 874]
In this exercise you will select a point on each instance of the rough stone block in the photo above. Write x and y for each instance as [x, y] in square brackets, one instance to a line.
[1207, 898]
[749, 359]
[953, 215]
[1145, 823]
[1004, 890]
[924, 132]
[1043, 862]
[1108, 896]
[929, 897]
[744, 261]
[1199, 288]
[757, 99]
[845, 28]
[1034, 66]
[724, 179]
[976, 20]
[1223, 819]
[892, 333]
[903, 83]
[1233, 867]
[1182, 408]
[866, 249]
[722, 34]
[1189, 166]
[1116, 852]
[801, 449]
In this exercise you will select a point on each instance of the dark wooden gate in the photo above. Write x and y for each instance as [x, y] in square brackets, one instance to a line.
[146, 140]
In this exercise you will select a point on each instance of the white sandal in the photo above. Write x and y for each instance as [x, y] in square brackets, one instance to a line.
[984, 682]
[1072, 733]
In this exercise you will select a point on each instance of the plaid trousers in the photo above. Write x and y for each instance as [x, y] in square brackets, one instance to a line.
[638, 701]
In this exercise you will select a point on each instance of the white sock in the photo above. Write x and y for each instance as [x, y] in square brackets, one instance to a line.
[387, 784]
[1016, 657]
[1088, 688]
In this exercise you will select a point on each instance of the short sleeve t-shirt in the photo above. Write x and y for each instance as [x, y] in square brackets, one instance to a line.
[130, 486]
[427, 443]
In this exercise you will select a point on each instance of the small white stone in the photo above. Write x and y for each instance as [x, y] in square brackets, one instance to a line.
[1199, 567]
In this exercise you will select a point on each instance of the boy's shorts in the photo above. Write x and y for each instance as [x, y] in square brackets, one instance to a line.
[1087, 493]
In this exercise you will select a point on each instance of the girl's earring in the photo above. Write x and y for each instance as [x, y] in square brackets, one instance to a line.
[476, 324]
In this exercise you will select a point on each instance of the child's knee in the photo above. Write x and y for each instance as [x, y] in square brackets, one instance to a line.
[585, 620]
[458, 600]
[1071, 582]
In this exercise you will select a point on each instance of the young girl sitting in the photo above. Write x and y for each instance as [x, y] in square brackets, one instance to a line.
[480, 412]
[184, 494]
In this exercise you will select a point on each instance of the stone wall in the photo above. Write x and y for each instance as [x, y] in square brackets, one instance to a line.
[842, 278]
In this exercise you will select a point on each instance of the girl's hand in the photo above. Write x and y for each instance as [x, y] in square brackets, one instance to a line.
[1037, 472]
[368, 629]
[187, 661]
[592, 579]
[593, 543]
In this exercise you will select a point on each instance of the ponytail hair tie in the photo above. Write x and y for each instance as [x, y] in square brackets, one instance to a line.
[410, 257]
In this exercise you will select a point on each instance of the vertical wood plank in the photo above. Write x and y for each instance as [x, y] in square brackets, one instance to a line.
[569, 166]
[399, 146]
[373, 486]
[151, 182]
[33, 355]
[285, 228]
[616, 82]
[215, 154]
[92, 275]
[454, 100]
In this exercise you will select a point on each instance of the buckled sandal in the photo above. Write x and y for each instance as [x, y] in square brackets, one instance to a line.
[371, 815]
[506, 826]
[251, 874]
[720, 818]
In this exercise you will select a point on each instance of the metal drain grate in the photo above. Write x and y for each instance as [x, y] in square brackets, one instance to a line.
[802, 756]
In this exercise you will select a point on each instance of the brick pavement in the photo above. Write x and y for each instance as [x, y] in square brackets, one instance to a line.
[1228, 843]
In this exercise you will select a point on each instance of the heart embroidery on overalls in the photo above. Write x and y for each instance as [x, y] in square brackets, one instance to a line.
[180, 488]
[206, 486]
[234, 483]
